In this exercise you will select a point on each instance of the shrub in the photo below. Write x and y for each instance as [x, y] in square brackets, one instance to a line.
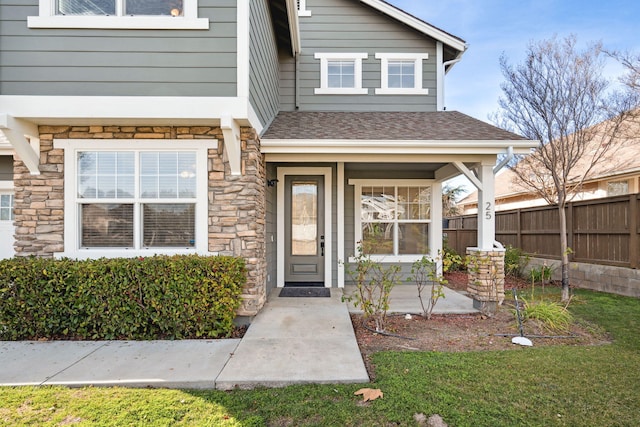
[159, 297]
[515, 261]
[454, 260]
[555, 317]
[374, 283]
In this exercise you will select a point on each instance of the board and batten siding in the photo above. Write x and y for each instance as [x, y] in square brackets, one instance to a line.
[95, 62]
[263, 63]
[349, 26]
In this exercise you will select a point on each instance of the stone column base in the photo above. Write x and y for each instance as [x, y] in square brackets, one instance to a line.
[486, 278]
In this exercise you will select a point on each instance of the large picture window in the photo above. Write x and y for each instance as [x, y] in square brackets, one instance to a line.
[393, 220]
[137, 199]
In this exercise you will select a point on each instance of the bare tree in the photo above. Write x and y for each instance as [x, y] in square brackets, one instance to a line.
[559, 96]
[450, 196]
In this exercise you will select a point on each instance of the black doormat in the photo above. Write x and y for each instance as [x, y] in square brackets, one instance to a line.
[305, 292]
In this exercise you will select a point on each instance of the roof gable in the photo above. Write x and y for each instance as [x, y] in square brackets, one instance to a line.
[418, 24]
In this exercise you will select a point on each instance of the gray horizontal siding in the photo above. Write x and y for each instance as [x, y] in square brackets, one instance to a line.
[118, 62]
[263, 63]
[348, 26]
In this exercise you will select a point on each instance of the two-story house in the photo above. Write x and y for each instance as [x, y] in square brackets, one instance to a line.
[282, 131]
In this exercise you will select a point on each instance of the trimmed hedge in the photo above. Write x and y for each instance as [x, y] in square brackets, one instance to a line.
[159, 297]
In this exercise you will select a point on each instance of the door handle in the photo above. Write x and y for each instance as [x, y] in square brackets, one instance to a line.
[321, 245]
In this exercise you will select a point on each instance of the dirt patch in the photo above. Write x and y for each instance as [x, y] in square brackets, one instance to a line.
[456, 333]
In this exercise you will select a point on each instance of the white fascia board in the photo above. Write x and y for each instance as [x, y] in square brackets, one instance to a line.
[456, 147]
[417, 24]
[69, 110]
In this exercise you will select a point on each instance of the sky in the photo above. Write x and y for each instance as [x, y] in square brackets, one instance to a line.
[495, 27]
[492, 28]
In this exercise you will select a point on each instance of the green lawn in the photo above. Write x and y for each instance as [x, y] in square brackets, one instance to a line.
[576, 386]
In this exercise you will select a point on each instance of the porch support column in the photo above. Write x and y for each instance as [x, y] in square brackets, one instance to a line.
[486, 208]
[486, 263]
[435, 234]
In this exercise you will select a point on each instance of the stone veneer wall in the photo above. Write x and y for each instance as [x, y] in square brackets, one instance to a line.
[236, 203]
[486, 278]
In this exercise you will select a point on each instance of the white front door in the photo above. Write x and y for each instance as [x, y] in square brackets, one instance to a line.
[7, 229]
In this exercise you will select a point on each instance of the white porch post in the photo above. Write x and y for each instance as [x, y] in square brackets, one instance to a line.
[486, 208]
[435, 234]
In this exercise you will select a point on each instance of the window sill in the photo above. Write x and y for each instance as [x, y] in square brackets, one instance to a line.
[118, 22]
[127, 253]
[382, 91]
[339, 91]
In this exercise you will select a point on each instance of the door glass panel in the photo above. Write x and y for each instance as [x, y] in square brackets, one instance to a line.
[304, 218]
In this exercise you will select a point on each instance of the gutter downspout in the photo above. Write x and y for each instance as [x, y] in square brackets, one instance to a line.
[296, 89]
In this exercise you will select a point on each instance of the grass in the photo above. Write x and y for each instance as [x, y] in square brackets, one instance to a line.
[564, 386]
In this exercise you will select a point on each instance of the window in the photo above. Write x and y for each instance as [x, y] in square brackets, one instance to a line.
[393, 220]
[302, 8]
[126, 202]
[617, 188]
[115, 187]
[146, 14]
[341, 74]
[401, 74]
[6, 207]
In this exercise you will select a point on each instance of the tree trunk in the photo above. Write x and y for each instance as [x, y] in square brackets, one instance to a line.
[564, 253]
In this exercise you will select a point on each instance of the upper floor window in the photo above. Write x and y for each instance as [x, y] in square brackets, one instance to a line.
[119, 7]
[126, 14]
[341, 74]
[401, 74]
[302, 8]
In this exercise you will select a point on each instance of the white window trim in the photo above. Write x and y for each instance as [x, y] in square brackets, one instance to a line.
[357, 209]
[189, 21]
[302, 8]
[71, 147]
[324, 88]
[417, 59]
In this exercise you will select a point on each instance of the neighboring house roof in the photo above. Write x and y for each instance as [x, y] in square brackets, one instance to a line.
[622, 159]
[406, 126]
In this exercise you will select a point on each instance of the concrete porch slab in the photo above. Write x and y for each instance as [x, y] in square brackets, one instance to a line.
[404, 299]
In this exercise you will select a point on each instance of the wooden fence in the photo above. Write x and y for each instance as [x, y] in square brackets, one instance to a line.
[601, 231]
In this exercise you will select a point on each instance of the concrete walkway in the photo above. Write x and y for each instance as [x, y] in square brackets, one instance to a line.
[291, 341]
[297, 340]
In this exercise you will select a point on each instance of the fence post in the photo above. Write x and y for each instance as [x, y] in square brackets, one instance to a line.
[570, 234]
[519, 229]
[633, 231]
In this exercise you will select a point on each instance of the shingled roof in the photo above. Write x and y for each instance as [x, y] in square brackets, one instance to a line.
[402, 126]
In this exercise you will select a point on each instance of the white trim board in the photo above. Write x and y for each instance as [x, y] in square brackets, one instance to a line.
[282, 173]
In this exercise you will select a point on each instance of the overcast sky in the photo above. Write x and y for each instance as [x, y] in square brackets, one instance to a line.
[493, 27]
